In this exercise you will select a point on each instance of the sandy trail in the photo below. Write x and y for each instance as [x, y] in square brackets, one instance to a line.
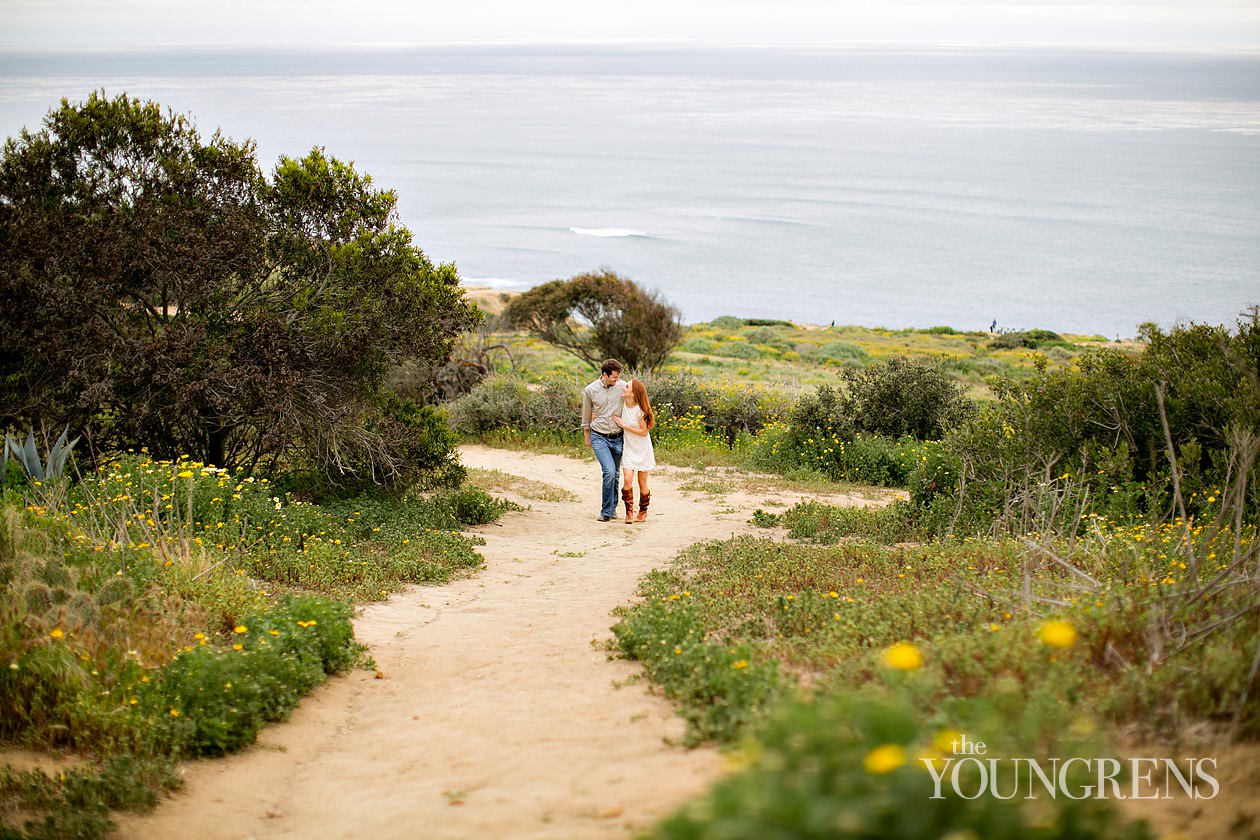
[498, 715]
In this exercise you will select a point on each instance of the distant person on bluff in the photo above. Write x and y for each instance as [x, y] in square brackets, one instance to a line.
[601, 407]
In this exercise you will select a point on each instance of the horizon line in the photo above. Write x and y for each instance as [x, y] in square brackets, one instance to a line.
[987, 46]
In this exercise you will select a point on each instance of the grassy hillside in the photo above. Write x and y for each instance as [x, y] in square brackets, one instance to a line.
[803, 355]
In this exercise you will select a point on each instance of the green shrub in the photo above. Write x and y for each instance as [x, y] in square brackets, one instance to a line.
[723, 409]
[767, 337]
[736, 350]
[1092, 439]
[676, 394]
[423, 443]
[860, 458]
[871, 433]
[848, 767]
[1012, 341]
[498, 401]
[934, 475]
[1028, 339]
[76, 803]
[507, 401]
[902, 397]
[327, 639]
[697, 345]
[211, 700]
[367, 517]
[825, 414]
[720, 689]
[893, 523]
[872, 460]
[843, 351]
[765, 519]
[455, 509]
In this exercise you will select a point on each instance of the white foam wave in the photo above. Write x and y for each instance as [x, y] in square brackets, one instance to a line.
[607, 232]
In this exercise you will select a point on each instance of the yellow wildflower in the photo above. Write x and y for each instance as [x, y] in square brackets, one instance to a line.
[884, 759]
[902, 656]
[1057, 633]
[946, 741]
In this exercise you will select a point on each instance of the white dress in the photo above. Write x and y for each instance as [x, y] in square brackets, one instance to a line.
[636, 450]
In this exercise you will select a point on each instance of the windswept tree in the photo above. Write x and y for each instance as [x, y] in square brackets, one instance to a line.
[158, 290]
[600, 315]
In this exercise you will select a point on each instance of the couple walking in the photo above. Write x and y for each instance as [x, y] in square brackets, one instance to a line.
[617, 420]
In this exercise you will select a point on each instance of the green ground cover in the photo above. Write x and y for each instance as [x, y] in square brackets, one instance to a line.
[793, 357]
[836, 662]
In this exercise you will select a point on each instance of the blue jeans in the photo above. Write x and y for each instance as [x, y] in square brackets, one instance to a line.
[607, 450]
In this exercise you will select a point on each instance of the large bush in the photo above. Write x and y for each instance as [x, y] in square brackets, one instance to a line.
[1028, 339]
[1095, 438]
[156, 289]
[904, 397]
[727, 410]
[825, 413]
[848, 435]
[505, 401]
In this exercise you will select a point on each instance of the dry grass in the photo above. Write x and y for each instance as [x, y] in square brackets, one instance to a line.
[527, 488]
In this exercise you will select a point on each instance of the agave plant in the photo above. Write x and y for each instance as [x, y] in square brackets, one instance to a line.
[27, 456]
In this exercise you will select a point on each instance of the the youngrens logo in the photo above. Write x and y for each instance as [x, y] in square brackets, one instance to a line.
[970, 774]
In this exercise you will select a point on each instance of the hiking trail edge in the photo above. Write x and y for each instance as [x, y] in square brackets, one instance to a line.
[497, 712]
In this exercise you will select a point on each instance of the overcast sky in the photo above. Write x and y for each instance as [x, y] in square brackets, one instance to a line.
[123, 23]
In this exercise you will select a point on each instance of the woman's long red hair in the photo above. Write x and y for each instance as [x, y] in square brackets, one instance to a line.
[640, 397]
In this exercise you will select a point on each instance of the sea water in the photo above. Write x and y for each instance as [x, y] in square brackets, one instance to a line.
[1080, 191]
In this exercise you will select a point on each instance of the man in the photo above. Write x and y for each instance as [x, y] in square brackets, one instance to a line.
[601, 402]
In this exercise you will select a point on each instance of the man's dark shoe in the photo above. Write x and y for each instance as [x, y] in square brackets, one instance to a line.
[603, 518]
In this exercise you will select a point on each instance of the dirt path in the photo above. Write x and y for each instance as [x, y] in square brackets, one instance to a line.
[498, 714]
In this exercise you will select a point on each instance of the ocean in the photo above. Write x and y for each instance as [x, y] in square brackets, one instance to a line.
[1078, 191]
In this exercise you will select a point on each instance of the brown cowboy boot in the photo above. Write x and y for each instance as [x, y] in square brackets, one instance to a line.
[627, 496]
[644, 499]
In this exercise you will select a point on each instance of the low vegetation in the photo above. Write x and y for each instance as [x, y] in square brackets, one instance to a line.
[157, 610]
[791, 358]
[1078, 557]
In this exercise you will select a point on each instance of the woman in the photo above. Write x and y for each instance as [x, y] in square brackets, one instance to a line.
[637, 421]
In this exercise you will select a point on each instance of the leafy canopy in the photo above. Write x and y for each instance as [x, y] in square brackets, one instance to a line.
[600, 315]
[158, 289]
